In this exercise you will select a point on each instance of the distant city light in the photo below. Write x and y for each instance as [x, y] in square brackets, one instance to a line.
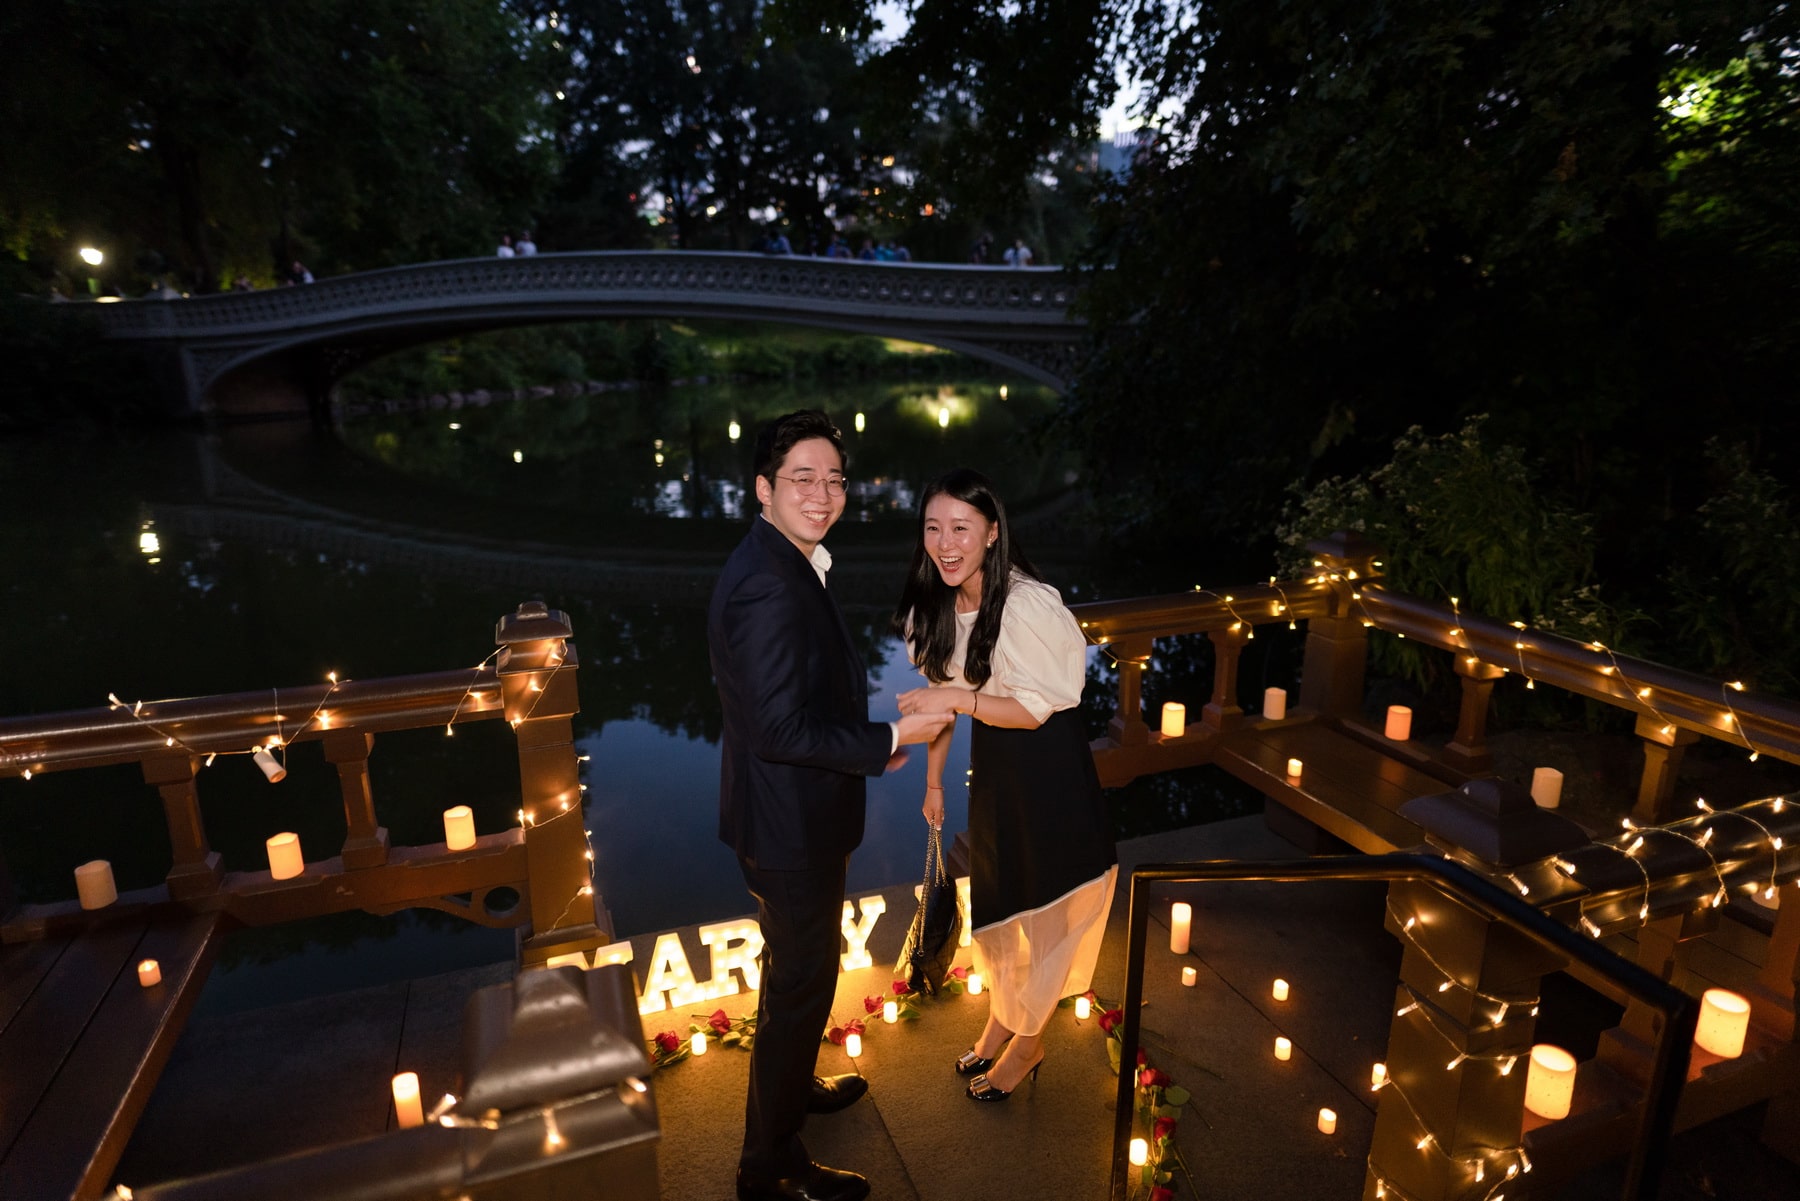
[92, 257]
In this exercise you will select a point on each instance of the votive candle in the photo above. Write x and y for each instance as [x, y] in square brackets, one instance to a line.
[1284, 1049]
[407, 1106]
[149, 973]
[1724, 1020]
[1274, 703]
[1378, 1075]
[1550, 1082]
[1546, 787]
[1280, 989]
[697, 1044]
[1083, 1007]
[1140, 1152]
[890, 1012]
[1399, 723]
[459, 828]
[1181, 916]
[1294, 769]
[1174, 719]
[853, 1044]
[1328, 1121]
[974, 984]
[285, 859]
[1189, 976]
[94, 884]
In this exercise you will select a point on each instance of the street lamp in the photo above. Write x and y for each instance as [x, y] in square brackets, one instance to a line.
[92, 258]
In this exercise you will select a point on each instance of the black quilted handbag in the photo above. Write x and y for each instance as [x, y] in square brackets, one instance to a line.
[936, 929]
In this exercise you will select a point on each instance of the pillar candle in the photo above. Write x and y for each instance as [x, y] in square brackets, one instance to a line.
[1399, 723]
[1327, 1121]
[94, 884]
[974, 984]
[1082, 1008]
[1550, 1082]
[853, 1045]
[1546, 787]
[890, 1012]
[1280, 990]
[1724, 1020]
[1274, 703]
[407, 1106]
[149, 973]
[1174, 719]
[1181, 914]
[697, 1044]
[459, 828]
[1283, 1049]
[1378, 1075]
[1189, 976]
[285, 859]
[1140, 1152]
[1294, 767]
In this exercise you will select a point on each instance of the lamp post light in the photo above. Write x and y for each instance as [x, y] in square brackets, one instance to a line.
[92, 258]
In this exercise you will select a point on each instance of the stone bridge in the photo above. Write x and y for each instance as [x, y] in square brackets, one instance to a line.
[280, 350]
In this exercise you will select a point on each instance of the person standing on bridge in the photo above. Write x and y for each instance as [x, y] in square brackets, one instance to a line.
[505, 249]
[796, 749]
[994, 641]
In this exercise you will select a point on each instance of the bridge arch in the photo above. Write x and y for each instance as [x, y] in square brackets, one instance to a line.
[293, 343]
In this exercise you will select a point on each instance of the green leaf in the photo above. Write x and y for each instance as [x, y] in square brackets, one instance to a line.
[1176, 1096]
[1112, 1054]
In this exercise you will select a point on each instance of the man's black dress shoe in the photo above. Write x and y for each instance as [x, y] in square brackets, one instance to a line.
[815, 1182]
[832, 1093]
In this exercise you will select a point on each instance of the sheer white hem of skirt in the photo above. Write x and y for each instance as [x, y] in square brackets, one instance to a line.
[1034, 959]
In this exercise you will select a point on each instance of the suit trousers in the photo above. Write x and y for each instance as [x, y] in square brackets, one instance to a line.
[801, 913]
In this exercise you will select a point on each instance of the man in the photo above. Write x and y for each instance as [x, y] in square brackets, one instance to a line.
[796, 749]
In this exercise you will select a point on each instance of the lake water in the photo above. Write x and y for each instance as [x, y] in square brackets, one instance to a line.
[189, 563]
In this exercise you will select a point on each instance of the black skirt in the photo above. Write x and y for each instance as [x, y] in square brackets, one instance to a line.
[1037, 821]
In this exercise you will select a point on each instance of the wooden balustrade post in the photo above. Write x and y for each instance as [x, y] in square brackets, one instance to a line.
[537, 688]
[1223, 712]
[365, 843]
[1662, 764]
[1127, 727]
[1468, 749]
[1337, 645]
[1626, 1048]
[195, 870]
[1472, 1111]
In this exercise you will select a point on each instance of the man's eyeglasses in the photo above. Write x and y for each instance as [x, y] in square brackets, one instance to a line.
[806, 485]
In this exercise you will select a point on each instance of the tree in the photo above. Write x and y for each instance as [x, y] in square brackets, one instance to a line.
[219, 137]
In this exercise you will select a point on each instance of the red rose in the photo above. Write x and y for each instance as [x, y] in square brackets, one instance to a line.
[1151, 1078]
[1163, 1128]
[961, 973]
[1111, 1018]
[1162, 1192]
[855, 1026]
[669, 1041]
[901, 988]
[836, 1035]
[719, 1022]
[872, 1004]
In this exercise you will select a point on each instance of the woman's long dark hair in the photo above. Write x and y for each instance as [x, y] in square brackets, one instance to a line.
[926, 616]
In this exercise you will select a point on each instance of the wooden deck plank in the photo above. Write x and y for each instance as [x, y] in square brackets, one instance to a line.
[68, 1141]
[23, 967]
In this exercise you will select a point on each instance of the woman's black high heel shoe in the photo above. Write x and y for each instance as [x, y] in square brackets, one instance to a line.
[971, 1064]
[981, 1090]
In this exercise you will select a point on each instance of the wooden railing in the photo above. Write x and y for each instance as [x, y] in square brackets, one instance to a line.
[529, 681]
[1674, 902]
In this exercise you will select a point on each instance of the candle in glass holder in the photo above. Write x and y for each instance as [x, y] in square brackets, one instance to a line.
[1174, 719]
[1181, 916]
[149, 973]
[1546, 787]
[407, 1106]
[853, 1044]
[285, 859]
[94, 884]
[1284, 1049]
[890, 1012]
[1399, 723]
[1274, 703]
[1294, 769]
[1280, 990]
[459, 828]
[1083, 1007]
[1327, 1121]
[1189, 976]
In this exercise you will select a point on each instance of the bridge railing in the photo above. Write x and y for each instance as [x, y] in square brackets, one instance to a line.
[1670, 894]
[529, 682]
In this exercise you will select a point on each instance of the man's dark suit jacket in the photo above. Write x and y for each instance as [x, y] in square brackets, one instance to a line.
[798, 741]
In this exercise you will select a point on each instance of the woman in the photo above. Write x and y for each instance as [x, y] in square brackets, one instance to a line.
[996, 643]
